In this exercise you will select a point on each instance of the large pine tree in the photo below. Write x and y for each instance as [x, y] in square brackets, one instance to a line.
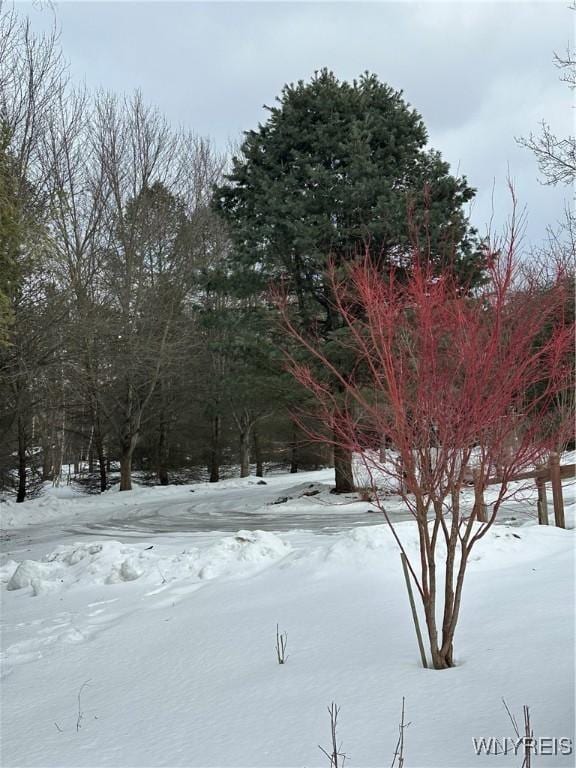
[336, 168]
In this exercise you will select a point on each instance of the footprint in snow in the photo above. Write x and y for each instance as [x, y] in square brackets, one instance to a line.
[61, 632]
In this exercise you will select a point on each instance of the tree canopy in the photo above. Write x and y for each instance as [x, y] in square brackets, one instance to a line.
[338, 166]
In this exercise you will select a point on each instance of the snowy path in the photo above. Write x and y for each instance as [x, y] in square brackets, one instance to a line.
[202, 508]
[206, 510]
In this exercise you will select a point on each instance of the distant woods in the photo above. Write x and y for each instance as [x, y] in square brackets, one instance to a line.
[121, 343]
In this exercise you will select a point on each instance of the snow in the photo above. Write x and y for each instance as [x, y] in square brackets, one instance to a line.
[138, 629]
[111, 562]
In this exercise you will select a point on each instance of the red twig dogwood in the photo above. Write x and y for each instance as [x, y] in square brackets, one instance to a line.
[455, 382]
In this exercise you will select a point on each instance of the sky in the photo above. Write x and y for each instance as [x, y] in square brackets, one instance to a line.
[480, 73]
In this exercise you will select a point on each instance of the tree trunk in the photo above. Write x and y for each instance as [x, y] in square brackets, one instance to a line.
[258, 454]
[126, 469]
[102, 460]
[443, 655]
[59, 450]
[163, 451]
[440, 660]
[102, 467]
[343, 470]
[293, 461]
[245, 453]
[163, 477]
[127, 447]
[344, 480]
[102, 464]
[294, 453]
[96, 449]
[57, 463]
[214, 457]
[47, 473]
[21, 494]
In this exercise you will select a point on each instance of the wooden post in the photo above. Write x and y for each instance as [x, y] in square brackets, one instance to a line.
[413, 606]
[479, 505]
[557, 500]
[542, 501]
[402, 475]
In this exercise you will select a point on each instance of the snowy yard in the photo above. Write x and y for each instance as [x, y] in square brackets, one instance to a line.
[264, 264]
[138, 629]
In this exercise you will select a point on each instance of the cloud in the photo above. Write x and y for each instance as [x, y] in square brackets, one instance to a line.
[480, 73]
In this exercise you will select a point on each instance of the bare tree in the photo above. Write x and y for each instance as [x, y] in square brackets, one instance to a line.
[157, 191]
[456, 383]
[78, 192]
[556, 155]
[32, 78]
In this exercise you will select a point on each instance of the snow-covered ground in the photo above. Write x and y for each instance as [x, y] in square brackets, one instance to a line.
[138, 629]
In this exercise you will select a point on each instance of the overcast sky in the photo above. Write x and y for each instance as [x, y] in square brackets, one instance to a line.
[480, 73]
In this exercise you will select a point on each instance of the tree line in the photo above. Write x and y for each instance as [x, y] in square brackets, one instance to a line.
[136, 324]
[120, 338]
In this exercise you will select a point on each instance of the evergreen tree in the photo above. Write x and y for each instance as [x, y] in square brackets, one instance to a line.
[337, 168]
